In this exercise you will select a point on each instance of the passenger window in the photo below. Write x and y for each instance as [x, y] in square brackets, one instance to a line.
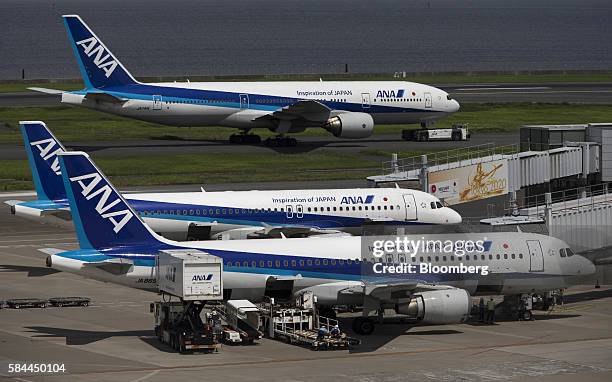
[325, 262]
[421, 259]
[385, 208]
[301, 263]
[467, 257]
[262, 263]
[309, 262]
[269, 263]
[443, 258]
[285, 263]
[490, 257]
[513, 256]
[505, 256]
[520, 255]
[317, 262]
[293, 263]
[437, 258]
[497, 256]
[229, 263]
[277, 263]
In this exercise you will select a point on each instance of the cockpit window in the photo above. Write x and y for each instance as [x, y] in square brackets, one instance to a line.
[562, 252]
[448, 97]
[433, 205]
[569, 252]
[439, 205]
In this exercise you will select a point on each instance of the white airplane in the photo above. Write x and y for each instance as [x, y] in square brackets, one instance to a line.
[234, 215]
[116, 246]
[347, 109]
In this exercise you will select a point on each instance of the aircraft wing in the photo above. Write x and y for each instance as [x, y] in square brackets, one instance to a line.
[291, 231]
[308, 110]
[391, 289]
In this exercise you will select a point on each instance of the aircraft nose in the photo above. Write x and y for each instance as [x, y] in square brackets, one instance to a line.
[454, 106]
[588, 266]
[453, 217]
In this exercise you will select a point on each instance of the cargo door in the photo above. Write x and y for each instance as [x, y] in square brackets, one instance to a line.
[410, 207]
[157, 102]
[536, 256]
[428, 102]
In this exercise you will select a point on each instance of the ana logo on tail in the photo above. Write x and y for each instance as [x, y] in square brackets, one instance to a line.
[91, 46]
[46, 152]
[89, 191]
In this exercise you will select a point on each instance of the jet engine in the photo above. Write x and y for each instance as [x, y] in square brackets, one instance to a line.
[350, 125]
[448, 306]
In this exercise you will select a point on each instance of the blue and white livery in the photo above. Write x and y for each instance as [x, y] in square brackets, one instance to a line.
[347, 109]
[116, 246]
[235, 215]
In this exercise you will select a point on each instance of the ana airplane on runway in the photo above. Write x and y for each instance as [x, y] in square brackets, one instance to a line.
[346, 109]
[116, 246]
[234, 215]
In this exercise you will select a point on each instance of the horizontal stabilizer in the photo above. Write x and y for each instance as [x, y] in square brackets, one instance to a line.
[47, 90]
[51, 251]
[12, 202]
[104, 97]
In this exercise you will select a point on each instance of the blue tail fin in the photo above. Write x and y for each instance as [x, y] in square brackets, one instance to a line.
[42, 149]
[102, 218]
[99, 67]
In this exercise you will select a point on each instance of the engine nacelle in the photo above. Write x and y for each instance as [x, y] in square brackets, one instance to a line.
[350, 125]
[449, 306]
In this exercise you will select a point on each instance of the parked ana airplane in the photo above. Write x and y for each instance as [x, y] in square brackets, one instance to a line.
[234, 215]
[347, 109]
[116, 246]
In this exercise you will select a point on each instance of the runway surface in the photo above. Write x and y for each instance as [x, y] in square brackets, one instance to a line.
[113, 340]
[579, 93]
[387, 143]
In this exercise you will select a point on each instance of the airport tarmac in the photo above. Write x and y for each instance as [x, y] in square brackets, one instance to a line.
[112, 340]
[388, 143]
[579, 93]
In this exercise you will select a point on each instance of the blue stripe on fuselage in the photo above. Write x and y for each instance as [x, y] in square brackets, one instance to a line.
[217, 98]
[245, 216]
[274, 264]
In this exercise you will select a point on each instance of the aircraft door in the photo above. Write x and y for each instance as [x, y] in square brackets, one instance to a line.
[365, 100]
[299, 211]
[157, 102]
[410, 207]
[244, 101]
[428, 100]
[536, 256]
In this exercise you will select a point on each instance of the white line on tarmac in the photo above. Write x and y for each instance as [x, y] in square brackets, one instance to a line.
[147, 376]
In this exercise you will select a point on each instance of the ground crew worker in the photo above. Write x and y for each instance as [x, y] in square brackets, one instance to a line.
[491, 311]
[322, 333]
[335, 332]
[481, 310]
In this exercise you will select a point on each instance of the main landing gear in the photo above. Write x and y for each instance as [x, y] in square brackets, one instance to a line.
[245, 139]
[281, 141]
[363, 325]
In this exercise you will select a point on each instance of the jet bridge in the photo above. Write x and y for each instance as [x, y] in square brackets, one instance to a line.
[526, 168]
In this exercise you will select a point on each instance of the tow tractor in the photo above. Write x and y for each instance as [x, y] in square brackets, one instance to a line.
[195, 278]
[458, 132]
